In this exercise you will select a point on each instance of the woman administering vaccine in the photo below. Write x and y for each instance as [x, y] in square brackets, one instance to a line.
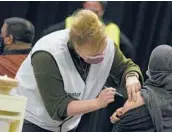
[65, 73]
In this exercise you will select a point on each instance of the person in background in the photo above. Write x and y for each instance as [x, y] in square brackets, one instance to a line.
[16, 39]
[64, 75]
[153, 110]
[111, 29]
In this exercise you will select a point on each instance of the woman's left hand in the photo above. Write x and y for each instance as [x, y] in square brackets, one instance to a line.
[133, 86]
[115, 117]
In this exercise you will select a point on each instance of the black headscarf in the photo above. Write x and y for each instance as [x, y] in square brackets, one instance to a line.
[159, 85]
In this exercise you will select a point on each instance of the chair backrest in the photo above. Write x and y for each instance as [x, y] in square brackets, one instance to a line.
[12, 108]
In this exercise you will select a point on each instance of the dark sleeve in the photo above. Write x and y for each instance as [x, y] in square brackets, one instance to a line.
[126, 46]
[53, 28]
[50, 84]
[120, 67]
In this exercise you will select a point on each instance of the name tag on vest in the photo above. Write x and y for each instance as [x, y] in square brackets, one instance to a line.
[75, 95]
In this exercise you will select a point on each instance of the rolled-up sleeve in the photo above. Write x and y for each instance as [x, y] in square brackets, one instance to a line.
[50, 85]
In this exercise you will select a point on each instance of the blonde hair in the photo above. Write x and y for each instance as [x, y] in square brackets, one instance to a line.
[86, 28]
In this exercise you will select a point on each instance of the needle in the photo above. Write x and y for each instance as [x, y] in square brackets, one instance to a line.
[116, 93]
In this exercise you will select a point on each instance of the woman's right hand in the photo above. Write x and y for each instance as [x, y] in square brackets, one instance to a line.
[105, 97]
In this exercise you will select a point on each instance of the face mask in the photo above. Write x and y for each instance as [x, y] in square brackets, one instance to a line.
[1, 44]
[94, 59]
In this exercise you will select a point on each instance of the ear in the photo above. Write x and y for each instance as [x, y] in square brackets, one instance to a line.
[76, 47]
[9, 40]
[84, 4]
[101, 13]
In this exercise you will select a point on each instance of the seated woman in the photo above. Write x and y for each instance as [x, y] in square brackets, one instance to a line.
[153, 110]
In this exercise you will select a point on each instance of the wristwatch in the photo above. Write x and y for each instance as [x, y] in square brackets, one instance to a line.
[132, 74]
